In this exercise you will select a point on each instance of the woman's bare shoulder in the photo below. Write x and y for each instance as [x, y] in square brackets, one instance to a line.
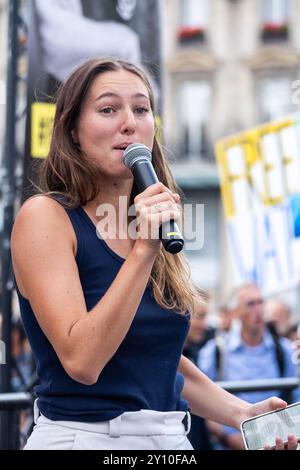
[42, 233]
[39, 204]
[41, 215]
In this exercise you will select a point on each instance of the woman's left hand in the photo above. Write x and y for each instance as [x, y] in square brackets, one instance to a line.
[265, 406]
[291, 444]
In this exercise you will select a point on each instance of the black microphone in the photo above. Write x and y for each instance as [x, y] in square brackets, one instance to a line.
[137, 157]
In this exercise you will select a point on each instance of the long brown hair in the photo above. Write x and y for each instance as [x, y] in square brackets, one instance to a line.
[71, 174]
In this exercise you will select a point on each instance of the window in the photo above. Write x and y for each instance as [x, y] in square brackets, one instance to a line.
[275, 19]
[194, 109]
[205, 262]
[194, 13]
[275, 11]
[193, 19]
[274, 95]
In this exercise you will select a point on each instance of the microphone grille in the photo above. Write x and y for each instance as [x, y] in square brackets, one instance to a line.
[135, 152]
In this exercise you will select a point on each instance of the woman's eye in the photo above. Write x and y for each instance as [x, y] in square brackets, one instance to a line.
[141, 110]
[107, 110]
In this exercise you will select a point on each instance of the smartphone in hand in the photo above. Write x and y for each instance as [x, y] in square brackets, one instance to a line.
[263, 429]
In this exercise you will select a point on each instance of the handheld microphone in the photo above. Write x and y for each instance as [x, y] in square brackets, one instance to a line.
[137, 157]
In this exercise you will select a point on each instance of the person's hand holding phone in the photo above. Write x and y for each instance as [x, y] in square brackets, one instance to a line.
[266, 406]
[291, 444]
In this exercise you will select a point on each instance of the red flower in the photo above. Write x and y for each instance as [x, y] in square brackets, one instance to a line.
[275, 27]
[190, 32]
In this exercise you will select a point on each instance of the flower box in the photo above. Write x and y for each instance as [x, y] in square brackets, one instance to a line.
[275, 31]
[189, 33]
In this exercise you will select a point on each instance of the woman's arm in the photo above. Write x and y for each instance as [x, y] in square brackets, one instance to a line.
[43, 250]
[207, 399]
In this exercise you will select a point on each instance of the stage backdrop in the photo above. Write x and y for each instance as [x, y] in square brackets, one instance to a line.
[260, 182]
[64, 33]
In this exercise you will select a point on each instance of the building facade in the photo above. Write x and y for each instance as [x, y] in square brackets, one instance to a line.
[228, 65]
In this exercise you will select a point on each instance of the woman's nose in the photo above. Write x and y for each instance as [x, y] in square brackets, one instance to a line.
[129, 123]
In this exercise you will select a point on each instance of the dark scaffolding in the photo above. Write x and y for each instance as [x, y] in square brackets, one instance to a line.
[7, 418]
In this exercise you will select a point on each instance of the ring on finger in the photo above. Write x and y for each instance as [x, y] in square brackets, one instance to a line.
[157, 206]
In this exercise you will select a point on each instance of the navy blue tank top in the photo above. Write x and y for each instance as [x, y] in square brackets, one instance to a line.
[142, 374]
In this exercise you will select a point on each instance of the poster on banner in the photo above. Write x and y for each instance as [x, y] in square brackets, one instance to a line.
[65, 33]
[260, 184]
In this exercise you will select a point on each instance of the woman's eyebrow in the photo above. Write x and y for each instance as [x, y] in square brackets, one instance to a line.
[110, 94]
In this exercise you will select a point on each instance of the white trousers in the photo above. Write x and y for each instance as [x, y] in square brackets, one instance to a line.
[144, 429]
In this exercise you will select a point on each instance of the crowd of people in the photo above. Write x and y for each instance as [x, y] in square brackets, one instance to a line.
[254, 339]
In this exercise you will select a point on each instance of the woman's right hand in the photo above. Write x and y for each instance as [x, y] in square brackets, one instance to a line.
[154, 206]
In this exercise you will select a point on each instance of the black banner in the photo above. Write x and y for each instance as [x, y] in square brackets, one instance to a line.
[65, 33]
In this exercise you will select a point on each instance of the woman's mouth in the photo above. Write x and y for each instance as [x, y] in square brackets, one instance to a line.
[122, 146]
